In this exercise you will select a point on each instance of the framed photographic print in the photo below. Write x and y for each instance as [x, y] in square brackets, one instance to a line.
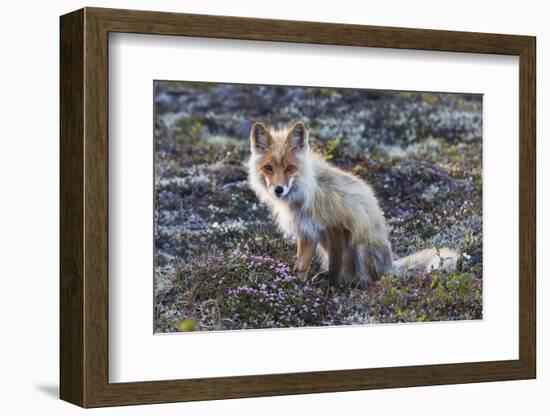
[255, 207]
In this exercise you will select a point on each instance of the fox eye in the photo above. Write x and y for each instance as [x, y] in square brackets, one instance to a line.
[290, 169]
[268, 168]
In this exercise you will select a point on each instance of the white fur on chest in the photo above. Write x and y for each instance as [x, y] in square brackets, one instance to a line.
[297, 223]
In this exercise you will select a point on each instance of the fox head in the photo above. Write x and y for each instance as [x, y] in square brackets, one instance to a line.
[278, 156]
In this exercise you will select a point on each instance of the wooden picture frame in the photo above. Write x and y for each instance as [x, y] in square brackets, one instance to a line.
[84, 207]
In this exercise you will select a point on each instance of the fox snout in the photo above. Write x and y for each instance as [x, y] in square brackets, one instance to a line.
[280, 190]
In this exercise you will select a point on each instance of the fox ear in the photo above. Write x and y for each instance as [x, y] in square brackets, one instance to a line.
[298, 137]
[260, 139]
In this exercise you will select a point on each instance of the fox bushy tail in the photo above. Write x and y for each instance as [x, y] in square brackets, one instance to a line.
[427, 260]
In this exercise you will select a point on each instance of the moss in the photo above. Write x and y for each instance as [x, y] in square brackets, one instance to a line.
[333, 149]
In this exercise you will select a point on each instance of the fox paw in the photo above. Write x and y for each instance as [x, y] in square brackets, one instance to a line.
[320, 278]
[300, 271]
[324, 279]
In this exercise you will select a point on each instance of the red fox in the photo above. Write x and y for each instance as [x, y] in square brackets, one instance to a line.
[328, 211]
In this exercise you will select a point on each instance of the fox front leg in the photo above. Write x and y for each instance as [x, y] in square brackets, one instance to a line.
[333, 243]
[335, 249]
[304, 255]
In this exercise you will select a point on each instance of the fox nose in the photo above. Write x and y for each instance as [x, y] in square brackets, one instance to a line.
[279, 190]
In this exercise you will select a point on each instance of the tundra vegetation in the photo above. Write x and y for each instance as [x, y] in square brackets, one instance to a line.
[220, 261]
